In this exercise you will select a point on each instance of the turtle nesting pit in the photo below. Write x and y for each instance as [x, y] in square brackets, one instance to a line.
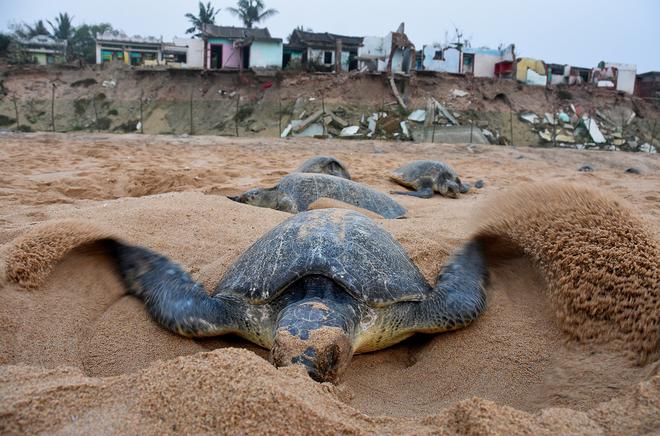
[78, 356]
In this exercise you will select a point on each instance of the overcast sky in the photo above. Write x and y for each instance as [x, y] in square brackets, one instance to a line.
[578, 32]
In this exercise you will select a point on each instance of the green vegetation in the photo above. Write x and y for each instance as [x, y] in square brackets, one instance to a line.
[252, 12]
[206, 15]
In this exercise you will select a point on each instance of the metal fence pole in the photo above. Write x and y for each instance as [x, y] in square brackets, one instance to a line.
[141, 112]
[279, 98]
[18, 124]
[191, 111]
[52, 109]
[96, 114]
[471, 128]
[655, 123]
[323, 116]
[511, 123]
[238, 100]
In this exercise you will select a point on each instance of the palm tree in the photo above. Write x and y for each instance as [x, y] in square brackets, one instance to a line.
[64, 29]
[251, 11]
[25, 31]
[206, 15]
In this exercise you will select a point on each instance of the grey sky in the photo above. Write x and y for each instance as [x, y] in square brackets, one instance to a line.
[579, 33]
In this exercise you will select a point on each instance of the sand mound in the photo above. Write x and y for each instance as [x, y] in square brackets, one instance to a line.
[232, 390]
[601, 266]
[31, 258]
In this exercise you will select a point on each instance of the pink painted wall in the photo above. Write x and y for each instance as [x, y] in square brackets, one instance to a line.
[231, 58]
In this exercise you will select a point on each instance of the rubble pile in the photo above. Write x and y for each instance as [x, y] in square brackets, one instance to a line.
[607, 129]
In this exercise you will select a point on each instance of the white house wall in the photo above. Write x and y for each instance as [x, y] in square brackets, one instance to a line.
[450, 64]
[626, 76]
[194, 53]
[266, 54]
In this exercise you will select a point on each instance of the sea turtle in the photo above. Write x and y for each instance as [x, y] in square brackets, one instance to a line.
[295, 192]
[316, 289]
[428, 176]
[324, 165]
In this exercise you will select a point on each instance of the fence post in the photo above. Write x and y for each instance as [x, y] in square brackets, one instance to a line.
[655, 123]
[279, 98]
[471, 128]
[141, 113]
[18, 124]
[511, 123]
[52, 109]
[238, 100]
[323, 116]
[191, 110]
[96, 114]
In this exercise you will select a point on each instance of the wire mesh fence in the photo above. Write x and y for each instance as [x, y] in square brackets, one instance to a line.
[234, 115]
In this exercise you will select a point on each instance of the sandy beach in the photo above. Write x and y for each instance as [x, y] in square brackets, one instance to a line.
[77, 355]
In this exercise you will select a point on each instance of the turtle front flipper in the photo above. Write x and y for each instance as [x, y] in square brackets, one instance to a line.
[172, 297]
[424, 189]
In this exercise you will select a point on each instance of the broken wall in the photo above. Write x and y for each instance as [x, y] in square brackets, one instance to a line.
[194, 53]
[486, 58]
[450, 62]
[626, 76]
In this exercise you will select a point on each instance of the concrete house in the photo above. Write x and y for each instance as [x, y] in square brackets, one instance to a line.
[240, 48]
[184, 53]
[443, 59]
[560, 74]
[393, 53]
[43, 50]
[532, 71]
[481, 61]
[319, 50]
[648, 85]
[621, 77]
[132, 50]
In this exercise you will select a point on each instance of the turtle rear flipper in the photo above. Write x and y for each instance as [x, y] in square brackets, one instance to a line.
[457, 299]
[172, 297]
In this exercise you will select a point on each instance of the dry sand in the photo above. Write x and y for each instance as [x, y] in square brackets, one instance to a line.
[77, 356]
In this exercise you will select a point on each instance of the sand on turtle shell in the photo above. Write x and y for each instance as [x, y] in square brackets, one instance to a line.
[78, 356]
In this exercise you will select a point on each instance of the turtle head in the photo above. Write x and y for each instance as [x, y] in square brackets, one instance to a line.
[311, 334]
[266, 197]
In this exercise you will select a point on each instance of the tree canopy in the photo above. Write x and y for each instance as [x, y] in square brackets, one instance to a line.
[252, 12]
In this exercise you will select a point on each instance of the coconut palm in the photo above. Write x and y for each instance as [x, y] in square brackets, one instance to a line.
[25, 31]
[251, 12]
[206, 15]
[64, 30]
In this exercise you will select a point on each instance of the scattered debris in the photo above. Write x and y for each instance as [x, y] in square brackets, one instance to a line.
[479, 184]
[349, 131]
[109, 83]
[445, 113]
[459, 93]
[395, 91]
[418, 116]
[530, 117]
[592, 127]
[586, 168]
[633, 170]
[647, 148]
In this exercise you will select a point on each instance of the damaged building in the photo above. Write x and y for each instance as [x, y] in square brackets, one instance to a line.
[131, 50]
[318, 51]
[532, 71]
[481, 61]
[393, 53]
[617, 76]
[442, 59]
[648, 85]
[240, 48]
[41, 50]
